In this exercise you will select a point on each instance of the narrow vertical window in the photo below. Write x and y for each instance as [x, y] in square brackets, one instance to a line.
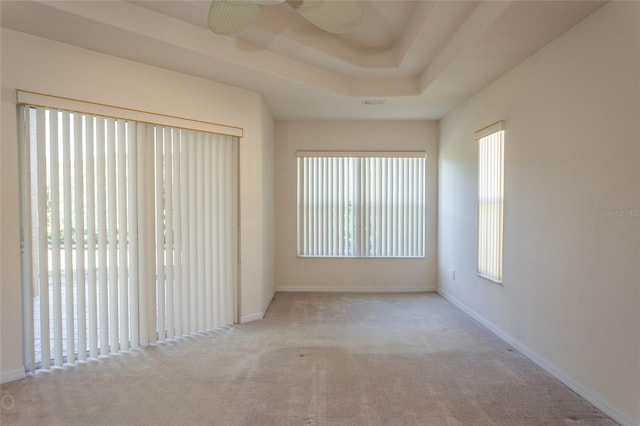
[490, 200]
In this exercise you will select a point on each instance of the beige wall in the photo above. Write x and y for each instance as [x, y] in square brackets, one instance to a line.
[45, 66]
[257, 236]
[268, 225]
[293, 273]
[571, 292]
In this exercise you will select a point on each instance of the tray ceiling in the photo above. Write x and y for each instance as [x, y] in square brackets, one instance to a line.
[421, 57]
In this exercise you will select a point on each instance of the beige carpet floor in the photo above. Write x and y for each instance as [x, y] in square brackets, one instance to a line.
[316, 359]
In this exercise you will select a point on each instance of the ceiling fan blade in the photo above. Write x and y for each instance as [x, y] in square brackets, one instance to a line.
[230, 17]
[334, 16]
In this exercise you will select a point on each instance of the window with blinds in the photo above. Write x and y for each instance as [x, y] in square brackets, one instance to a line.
[128, 233]
[490, 200]
[355, 204]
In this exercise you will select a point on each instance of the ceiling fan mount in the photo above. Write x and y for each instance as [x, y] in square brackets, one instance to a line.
[228, 17]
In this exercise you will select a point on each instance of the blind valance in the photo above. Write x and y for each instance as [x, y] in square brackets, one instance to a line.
[73, 105]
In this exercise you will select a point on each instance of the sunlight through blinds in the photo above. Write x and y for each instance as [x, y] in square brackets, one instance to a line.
[129, 233]
[490, 200]
[361, 204]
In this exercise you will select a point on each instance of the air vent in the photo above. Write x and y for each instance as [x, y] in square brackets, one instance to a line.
[373, 101]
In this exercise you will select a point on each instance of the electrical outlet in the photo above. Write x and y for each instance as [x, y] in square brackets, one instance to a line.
[453, 274]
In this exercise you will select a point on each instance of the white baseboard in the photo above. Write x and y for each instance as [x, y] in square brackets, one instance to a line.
[593, 397]
[12, 375]
[251, 317]
[353, 289]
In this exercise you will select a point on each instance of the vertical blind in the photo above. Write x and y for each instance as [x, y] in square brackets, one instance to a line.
[129, 233]
[354, 204]
[490, 200]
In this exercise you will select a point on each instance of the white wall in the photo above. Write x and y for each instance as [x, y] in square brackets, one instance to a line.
[49, 67]
[293, 273]
[258, 236]
[571, 293]
[268, 226]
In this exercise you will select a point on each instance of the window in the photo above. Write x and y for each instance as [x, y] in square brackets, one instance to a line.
[490, 200]
[127, 233]
[354, 204]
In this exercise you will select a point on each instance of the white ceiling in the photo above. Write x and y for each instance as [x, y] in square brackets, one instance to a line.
[421, 57]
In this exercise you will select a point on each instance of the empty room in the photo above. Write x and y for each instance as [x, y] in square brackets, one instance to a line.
[320, 212]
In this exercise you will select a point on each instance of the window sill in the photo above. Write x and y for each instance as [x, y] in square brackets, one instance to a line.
[488, 278]
[362, 257]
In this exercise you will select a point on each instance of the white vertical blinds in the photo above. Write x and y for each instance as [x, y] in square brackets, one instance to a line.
[490, 200]
[357, 204]
[129, 233]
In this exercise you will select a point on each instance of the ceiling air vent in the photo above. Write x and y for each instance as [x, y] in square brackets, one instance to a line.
[373, 101]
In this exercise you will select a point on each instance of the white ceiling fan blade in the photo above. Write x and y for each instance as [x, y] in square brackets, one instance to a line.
[230, 17]
[334, 16]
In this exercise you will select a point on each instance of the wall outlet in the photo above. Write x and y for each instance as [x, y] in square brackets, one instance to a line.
[453, 274]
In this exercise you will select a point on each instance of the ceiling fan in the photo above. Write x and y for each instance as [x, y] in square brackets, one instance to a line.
[227, 17]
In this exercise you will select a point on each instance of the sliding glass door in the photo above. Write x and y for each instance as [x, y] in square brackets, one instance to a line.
[128, 233]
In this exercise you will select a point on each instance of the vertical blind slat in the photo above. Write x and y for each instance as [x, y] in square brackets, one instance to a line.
[168, 166]
[43, 249]
[29, 255]
[160, 232]
[123, 238]
[92, 295]
[193, 261]
[219, 256]
[68, 244]
[225, 211]
[177, 217]
[132, 220]
[78, 149]
[200, 235]
[185, 231]
[55, 238]
[144, 269]
[300, 208]
[103, 314]
[210, 217]
[112, 235]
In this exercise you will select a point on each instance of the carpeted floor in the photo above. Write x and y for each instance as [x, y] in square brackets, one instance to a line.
[316, 359]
